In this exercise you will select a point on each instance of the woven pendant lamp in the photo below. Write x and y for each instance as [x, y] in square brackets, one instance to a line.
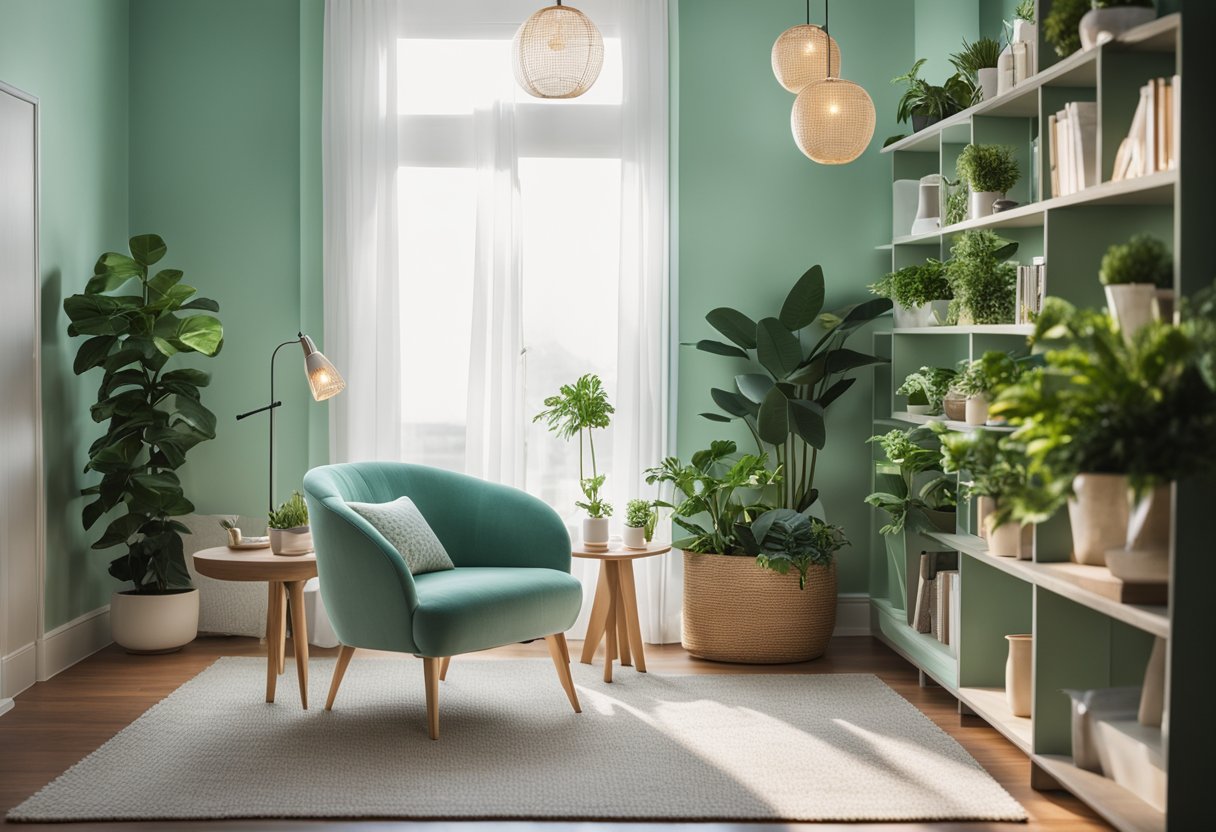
[558, 53]
[797, 56]
[833, 119]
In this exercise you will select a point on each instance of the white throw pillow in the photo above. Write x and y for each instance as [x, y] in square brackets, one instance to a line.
[403, 525]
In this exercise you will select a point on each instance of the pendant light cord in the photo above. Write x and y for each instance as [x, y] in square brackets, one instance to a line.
[828, 38]
[808, 12]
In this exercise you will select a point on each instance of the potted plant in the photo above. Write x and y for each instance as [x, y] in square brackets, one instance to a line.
[921, 294]
[982, 379]
[923, 103]
[154, 416]
[1138, 277]
[1062, 24]
[640, 519]
[957, 201]
[576, 411]
[989, 170]
[997, 479]
[926, 389]
[1108, 19]
[290, 534]
[229, 525]
[984, 283]
[977, 62]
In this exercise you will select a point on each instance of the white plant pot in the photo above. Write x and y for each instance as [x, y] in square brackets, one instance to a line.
[634, 537]
[1019, 672]
[920, 409]
[1146, 557]
[988, 79]
[1025, 32]
[1088, 706]
[1134, 305]
[1098, 515]
[984, 506]
[291, 542]
[977, 410]
[981, 203]
[1101, 25]
[154, 623]
[1005, 541]
[595, 534]
[1004, 70]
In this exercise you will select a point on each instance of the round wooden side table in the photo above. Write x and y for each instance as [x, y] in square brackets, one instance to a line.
[614, 614]
[286, 577]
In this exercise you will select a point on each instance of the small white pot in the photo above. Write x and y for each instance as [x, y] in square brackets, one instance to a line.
[920, 409]
[977, 410]
[1134, 305]
[154, 623]
[634, 537]
[1101, 25]
[291, 542]
[932, 313]
[988, 79]
[1098, 515]
[1019, 673]
[595, 533]
[1005, 541]
[1146, 558]
[981, 203]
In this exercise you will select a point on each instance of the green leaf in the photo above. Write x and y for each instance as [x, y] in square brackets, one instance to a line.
[737, 327]
[845, 359]
[122, 358]
[202, 303]
[196, 416]
[165, 348]
[147, 248]
[92, 513]
[189, 375]
[84, 307]
[812, 373]
[715, 417]
[807, 421]
[164, 280]
[120, 530]
[755, 386]
[111, 271]
[116, 457]
[718, 348]
[772, 423]
[732, 403]
[835, 392]
[805, 300]
[92, 353]
[777, 348]
[202, 333]
[857, 314]
[1005, 252]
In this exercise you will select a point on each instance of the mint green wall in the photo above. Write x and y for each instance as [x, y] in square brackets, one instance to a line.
[940, 28]
[993, 14]
[754, 213]
[73, 57]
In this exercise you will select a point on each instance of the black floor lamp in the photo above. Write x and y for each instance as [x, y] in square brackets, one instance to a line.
[323, 379]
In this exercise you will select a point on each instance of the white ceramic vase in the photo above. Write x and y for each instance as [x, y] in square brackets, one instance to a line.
[928, 210]
[977, 409]
[1133, 305]
[988, 79]
[634, 537]
[1019, 673]
[234, 537]
[595, 534]
[1101, 25]
[1098, 514]
[981, 203]
[154, 623]
[1146, 557]
[291, 542]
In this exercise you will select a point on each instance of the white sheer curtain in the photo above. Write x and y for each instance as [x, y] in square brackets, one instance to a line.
[359, 182]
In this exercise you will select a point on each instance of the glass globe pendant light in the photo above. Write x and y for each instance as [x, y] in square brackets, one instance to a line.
[833, 119]
[796, 52]
[558, 53]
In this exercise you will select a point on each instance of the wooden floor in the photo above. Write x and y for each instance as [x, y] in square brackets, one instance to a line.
[56, 723]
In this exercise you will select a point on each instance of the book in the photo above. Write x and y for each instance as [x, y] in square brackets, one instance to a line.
[941, 602]
[1175, 120]
[955, 605]
[930, 564]
[1084, 121]
[1053, 151]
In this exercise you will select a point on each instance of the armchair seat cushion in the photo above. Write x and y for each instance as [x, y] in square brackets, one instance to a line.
[478, 607]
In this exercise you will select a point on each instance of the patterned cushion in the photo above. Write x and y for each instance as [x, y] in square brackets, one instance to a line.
[403, 525]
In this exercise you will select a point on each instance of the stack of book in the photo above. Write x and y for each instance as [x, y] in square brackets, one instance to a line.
[1152, 142]
[1030, 291]
[1073, 135]
[937, 597]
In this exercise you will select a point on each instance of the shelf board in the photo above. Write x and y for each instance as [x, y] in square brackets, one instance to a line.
[969, 329]
[921, 419]
[1073, 581]
[992, 706]
[1115, 804]
[921, 649]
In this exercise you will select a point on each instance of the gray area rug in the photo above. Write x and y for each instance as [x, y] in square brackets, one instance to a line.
[646, 747]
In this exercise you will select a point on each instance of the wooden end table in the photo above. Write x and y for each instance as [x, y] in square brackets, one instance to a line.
[614, 614]
[286, 577]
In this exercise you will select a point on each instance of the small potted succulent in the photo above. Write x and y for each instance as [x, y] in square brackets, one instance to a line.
[290, 534]
[1138, 277]
[989, 170]
[229, 525]
[640, 519]
[926, 389]
[921, 294]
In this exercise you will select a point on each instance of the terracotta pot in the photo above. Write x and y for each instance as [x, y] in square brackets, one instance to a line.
[977, 410]
[1019, 668]
[734, 611]
[1101, 25]
[955, 407]
[595, 534]
[1098, 515]
[143, 623]
[634, 537]
[291, 542]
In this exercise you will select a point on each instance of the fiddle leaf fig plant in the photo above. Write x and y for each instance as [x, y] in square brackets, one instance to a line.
[577, 409]
[153, 415]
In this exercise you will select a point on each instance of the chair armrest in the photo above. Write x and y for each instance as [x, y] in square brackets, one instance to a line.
[502, 526]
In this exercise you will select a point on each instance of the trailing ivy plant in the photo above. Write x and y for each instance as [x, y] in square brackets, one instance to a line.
[153, 415]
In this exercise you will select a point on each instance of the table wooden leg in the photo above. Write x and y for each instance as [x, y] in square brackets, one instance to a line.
[599, 615]
[282, 629]
[622, 618]
[629, 600]
[274, 621]
[610, 624]
[299, 637]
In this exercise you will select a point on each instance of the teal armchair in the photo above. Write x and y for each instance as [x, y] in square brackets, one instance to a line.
[511, 583]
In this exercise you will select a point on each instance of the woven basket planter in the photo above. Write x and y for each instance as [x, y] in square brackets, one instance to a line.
[734, 611]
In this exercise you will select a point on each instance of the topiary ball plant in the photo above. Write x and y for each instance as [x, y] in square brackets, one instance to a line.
[1142, 259]
[988, 168]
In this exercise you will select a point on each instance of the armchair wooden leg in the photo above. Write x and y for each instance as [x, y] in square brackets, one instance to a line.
[561, 660]
[430, 670]
[443, 668]
[344, 656]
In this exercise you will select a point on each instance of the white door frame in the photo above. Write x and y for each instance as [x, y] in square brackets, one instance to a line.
[7, 590]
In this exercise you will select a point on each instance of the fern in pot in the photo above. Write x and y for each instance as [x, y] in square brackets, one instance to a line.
[154, 416]
[1138, 278]
[921, 294]
[990, 171]
[977, 62]
[290, 534]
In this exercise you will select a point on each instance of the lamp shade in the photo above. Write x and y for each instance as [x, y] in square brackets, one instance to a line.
[798, 57]
[833, 121]
[558, 53]
[323, 378]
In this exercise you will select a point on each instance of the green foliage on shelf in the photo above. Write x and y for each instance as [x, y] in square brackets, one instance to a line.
[154, 417]
[1114, 4]
[988, 375]
[1060, 25]
[291, 514]
[988, 167]
[782, 539]
[984, 283]
[957, 197]
[995, 466]
[783, 396]
[1025, 11]
[917, 485]
[929, 100]
[912, 286]
[1142, 259]
[982, 54]
[927, 386]
[577, 409]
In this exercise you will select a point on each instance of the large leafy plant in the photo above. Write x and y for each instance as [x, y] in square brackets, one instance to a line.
[994, 464]
[797, 373]
[911, 481]
[577, 411]
[921, 98]
[782, 539]
[153, 415]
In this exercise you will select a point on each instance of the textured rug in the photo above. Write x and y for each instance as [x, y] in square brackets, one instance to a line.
[646, 747]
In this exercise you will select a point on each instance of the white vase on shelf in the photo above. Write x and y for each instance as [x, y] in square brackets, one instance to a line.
[1019, 670]
[988, 79]
[1100, 25]
[981, 203]
[977, 410]
[1098, 513]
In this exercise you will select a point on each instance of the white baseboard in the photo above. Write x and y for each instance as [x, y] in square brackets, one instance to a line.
[6, 705]
[68, 643]
[19, 671]
[852, 614]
